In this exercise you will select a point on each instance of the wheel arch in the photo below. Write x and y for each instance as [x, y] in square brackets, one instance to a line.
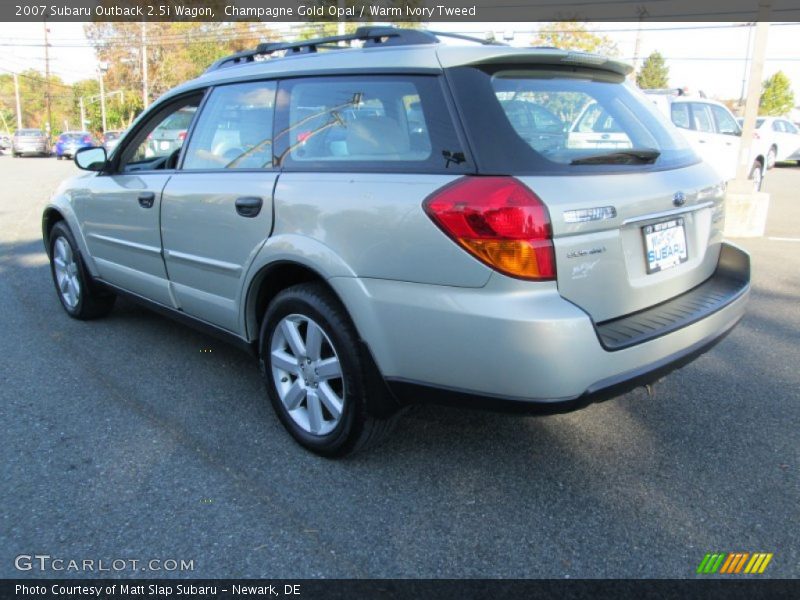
[268, 282]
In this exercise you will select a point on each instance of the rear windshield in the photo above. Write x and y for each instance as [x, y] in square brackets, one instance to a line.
[30, 132]
[556, 120]
[73, 136]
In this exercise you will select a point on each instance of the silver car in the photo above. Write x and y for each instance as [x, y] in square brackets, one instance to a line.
[29, 141]
[379, 231]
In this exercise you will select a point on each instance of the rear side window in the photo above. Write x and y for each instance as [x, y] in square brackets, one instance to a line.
[234, 130]
[543, 120]
[680, 115]
[368, 123]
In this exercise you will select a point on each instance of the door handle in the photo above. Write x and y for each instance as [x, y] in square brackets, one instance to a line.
[146, 199]
[249, 206]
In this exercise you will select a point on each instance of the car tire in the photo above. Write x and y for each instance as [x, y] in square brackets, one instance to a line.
[58, 157]
[771, 155]
[757, 176]
[306, 338]
[79, 294]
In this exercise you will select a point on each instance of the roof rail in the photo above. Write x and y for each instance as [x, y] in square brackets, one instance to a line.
[370, 36]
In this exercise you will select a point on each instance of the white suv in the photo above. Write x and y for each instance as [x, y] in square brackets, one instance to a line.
[712, 131]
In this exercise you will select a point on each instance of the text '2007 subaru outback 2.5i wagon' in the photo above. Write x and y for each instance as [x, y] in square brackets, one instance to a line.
[410, 221]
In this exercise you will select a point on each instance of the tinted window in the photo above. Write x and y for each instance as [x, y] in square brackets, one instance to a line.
[725, 122]
[777, 126]
[502, 106]
[372, 123]
[789, 127]
[235, 129]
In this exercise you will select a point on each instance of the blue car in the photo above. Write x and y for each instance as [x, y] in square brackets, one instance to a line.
[70, 142]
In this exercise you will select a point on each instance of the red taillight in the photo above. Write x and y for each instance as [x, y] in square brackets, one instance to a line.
[182, 136]
[87, 139]
[498, 220]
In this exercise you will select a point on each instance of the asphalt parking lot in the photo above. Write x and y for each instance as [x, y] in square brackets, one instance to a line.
[125, 438]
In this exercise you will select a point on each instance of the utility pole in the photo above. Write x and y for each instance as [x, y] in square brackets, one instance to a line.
[19, 106]
[753, 96]
[145, 90]
[642, 11]
[746, 62]
[47, 80]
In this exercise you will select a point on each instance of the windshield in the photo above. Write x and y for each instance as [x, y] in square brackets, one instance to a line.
[30, 132]
[566, 120]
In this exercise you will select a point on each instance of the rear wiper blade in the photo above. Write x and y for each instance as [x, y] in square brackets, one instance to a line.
[620, 157]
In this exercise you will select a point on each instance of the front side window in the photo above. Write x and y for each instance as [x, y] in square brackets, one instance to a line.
[789, 127]
[725, 122]
[158, 142]
[370, 122]
[235, 129]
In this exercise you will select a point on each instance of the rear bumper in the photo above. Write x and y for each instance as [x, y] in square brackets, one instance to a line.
[503, 346]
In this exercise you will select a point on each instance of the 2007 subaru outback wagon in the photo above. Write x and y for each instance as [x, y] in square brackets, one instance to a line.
[408, 221]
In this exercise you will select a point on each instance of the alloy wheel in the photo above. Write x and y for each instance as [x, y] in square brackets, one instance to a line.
[307, 374]
[66, 270]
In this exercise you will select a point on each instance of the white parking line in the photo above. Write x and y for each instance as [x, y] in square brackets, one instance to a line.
[783, 239]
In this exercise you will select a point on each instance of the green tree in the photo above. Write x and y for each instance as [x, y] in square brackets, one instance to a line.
[777, 98]
[573, 35]
[654, 73]
[176, 52]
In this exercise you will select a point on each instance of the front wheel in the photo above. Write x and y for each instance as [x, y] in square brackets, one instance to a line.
[78, 293]
[771, 156]
[320, 384]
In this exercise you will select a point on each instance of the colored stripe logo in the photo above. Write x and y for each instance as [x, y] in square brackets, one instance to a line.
[733, 563]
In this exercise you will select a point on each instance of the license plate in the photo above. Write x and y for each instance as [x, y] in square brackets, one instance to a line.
[665, 245]
[165, 145]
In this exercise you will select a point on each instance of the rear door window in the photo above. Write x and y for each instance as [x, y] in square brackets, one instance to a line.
[366, 123]
[234, 130]
[701, 117]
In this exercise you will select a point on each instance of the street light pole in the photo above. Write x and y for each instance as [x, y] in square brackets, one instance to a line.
[83, 114]
[19, 106]
[102, 68]
[145, 90]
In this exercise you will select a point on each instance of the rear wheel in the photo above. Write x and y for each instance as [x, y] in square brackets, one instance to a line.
[79, 295]
[318, 381]
[756, 176]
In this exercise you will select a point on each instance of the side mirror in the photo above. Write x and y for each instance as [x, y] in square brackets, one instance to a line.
[91, 159]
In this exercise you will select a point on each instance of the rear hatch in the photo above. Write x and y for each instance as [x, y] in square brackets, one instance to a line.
[636, 218]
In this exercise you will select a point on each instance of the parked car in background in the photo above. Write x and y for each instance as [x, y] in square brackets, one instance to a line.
[169, 136]
[326, 211]
[781, 136]
[111, 139]
[713, 132]
[29, 141]
[69, 142]
[594, 127]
